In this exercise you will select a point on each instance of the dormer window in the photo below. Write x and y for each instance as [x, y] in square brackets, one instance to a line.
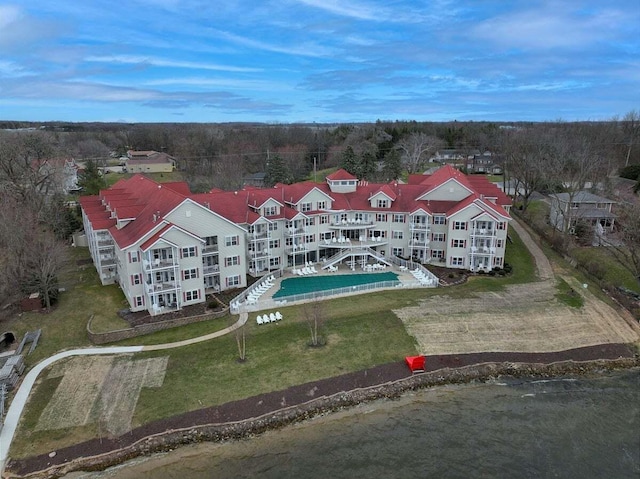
[304, 207]
[270, 210]
[383, 203]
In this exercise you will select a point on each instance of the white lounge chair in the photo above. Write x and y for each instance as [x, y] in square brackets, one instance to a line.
[278, 316]
[259, 319]
[272, 317]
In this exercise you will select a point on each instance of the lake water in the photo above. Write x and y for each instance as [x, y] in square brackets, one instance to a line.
[584, 427]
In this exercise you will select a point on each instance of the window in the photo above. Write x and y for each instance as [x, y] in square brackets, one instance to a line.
[381, 217]
[574, 205]
[270, 210]
[397, 234]
[232, 240]
[233, 280]
[457, 261]
[378, 234]
[138, 301]
[398, 218]
[304, 207]
[190, 273]
[437, 253]
[459, 225]
[274, 244]
[274, 262]
[189, 252]
[273, 226]
[324, 219]
[135, 279]
[134, 257]
[497, 261]
[322, 205]
[383, 203]
[439, 220]
[309, 221]
[398, 252]
[458, 243]
[310, 239]
[192, 295]
[232, 261]
[288, 241]
[437, 236]
[501, 225]
[499, 243]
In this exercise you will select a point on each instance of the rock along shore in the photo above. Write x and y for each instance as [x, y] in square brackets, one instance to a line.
[256, 415]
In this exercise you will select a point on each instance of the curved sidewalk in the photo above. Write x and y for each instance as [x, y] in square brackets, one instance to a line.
[17, 405]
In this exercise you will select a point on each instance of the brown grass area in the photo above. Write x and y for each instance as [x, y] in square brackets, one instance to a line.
[525, 318]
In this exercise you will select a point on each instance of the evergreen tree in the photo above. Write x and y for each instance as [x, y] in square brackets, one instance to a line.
[277, 172]
[91, 180]
[392, 167]
[368, 166]
[349, 161]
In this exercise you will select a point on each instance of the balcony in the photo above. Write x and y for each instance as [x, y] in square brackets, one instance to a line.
[106, 243]
[212, 269]
[161, 287]
[482, 251]
[259, 254]
[258, 235]
[296, 248]
[158, 264]
[419, 242]
[296, 231]
[419, 226]
[351, 224]
[209, 249]
[482, 232]
[107, 261]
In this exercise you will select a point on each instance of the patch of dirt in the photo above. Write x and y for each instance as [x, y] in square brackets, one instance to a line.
[524, 318]
[100, 389]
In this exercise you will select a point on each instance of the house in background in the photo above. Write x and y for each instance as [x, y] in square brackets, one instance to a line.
[567, 210]
[149, 162]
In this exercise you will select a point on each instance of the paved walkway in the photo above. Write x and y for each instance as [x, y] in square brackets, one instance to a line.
[17, 405]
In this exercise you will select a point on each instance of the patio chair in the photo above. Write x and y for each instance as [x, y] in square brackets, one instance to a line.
[314, 270]
[278, 316]
[272, 317]
[259, 319]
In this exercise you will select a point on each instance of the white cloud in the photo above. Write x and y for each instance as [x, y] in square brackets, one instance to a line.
[160, 62]
[553, 26]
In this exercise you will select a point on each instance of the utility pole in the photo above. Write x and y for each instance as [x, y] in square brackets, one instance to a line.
[315, 180]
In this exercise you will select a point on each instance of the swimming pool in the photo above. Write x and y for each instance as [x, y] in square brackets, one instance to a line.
[310, 284]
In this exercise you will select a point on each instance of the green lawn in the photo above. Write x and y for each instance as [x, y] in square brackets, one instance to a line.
[602, 264]
[567, 295]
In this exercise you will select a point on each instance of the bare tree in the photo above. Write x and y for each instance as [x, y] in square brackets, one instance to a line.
[631, 129]
[34, 256]
[315, 315]
[416, 147]
[628, 252]
[524, 164]
[240, 334]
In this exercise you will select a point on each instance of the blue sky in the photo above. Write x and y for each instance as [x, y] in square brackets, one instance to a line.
[286, 61]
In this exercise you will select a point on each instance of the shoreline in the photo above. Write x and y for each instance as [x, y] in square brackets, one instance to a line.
[383, 382]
